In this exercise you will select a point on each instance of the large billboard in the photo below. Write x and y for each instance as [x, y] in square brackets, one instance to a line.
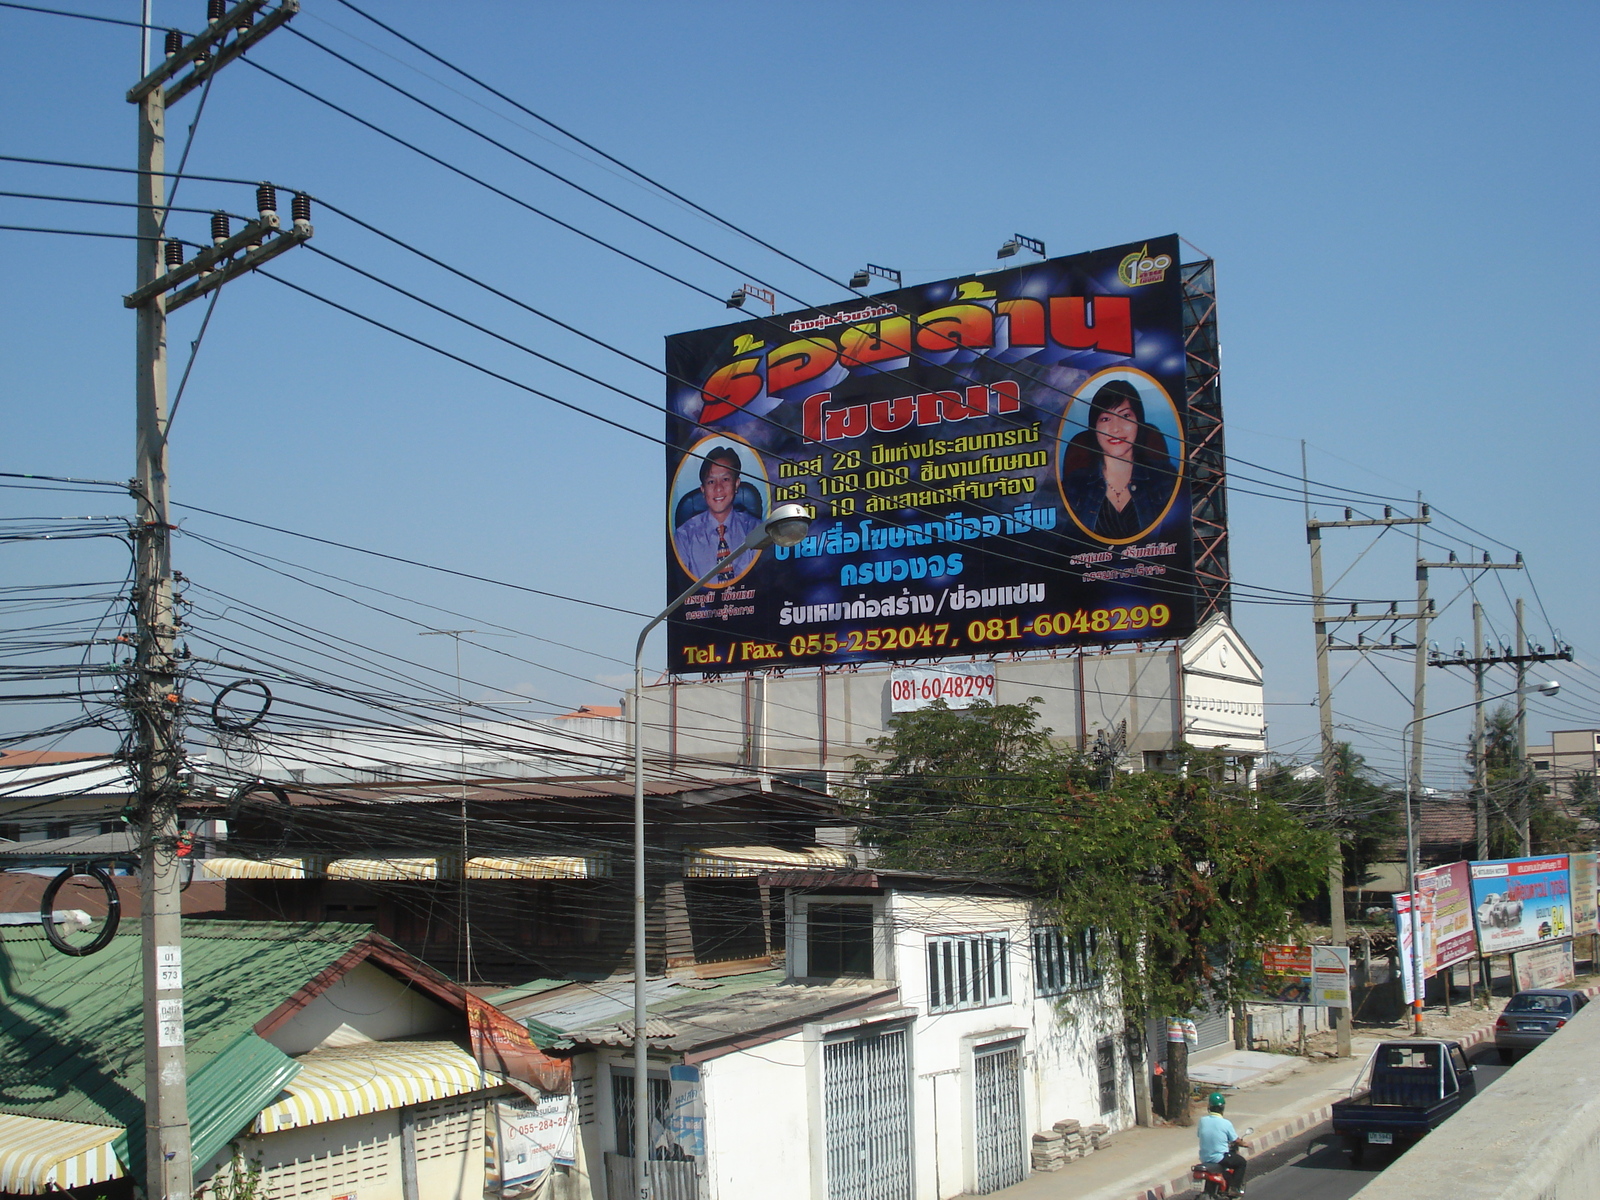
[996, 464]
[1521, 902]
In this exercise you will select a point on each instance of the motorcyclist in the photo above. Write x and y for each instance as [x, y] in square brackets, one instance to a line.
[1220, 1144]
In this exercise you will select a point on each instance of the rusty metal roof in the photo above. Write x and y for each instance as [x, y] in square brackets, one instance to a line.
[705, 1027]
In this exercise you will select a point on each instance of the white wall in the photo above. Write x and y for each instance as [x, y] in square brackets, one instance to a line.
[1208, 693]
[758, 1118]
[1057, 1034]
[366, 1004]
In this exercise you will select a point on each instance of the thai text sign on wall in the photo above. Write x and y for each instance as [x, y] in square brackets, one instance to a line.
[1312, 975]
[996, 463]
[1521, 902]
[957, 684]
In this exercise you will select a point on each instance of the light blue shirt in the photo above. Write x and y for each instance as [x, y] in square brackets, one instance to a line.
[1216, 1132]
[697, 542]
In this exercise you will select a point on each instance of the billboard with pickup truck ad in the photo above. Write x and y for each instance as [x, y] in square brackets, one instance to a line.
[1521, 902]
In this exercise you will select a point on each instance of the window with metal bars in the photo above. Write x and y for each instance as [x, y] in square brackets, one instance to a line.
[1106, 1065]
[622, 1109]
[1064, 962]
[968, 970]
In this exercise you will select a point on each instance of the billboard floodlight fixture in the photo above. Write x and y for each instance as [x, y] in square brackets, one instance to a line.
[1020, 242]
[747, 290]
[864, 276]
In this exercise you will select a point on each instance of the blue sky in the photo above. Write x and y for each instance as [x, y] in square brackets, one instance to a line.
[1399, 199]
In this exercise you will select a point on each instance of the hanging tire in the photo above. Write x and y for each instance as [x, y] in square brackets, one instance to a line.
[47, 904]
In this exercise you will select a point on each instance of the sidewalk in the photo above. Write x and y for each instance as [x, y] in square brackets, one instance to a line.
[1153, 1163]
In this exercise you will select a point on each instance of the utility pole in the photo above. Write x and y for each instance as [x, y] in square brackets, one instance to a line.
[1480, 780]
[1524, 834]
[1330, 749]
[1480, 662]
[154, 698]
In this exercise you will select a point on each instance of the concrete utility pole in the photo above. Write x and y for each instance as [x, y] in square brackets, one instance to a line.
[1330, 749]
[1480, 779]
[154, 698]
[1524, 834]
[1480, 662]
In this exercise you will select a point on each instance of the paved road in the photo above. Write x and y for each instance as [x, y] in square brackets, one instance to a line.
[1314, 1165]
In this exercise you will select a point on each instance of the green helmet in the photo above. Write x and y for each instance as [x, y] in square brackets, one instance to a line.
[1216, 1102]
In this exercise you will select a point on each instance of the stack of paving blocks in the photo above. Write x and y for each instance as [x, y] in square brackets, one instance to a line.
[1068, 1140]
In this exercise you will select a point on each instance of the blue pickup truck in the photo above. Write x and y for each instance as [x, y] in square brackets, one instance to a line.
[1408, 1088]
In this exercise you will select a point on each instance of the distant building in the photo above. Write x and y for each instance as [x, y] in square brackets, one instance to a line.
[1570, 755]
[1136, 705]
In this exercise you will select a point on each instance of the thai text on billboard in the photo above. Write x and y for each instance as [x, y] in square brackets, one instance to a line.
[1544, 966]
[1308, 975]
[1520, 902]
[1446, 916]
[1585, 918]
[996, 463]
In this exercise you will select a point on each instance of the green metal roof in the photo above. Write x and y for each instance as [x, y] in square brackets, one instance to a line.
[71, 1029]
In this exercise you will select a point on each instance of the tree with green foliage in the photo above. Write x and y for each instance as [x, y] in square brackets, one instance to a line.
[1182, 875]
[1365, 817]
[1513, 790]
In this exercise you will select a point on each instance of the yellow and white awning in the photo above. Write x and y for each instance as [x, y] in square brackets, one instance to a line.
[383, 868]
[540, 866]
[352, 1080]
[734, 862]
[39, 1155]
[258, 868]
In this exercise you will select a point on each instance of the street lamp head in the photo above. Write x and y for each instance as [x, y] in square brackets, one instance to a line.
[788, 524]
[1550, 687]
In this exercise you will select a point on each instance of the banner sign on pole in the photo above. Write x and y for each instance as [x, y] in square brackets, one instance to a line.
[1521, 902]
[1543, 966]
[1307, 975]
[1403, 942]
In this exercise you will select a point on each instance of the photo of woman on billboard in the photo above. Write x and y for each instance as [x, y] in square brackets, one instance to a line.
[1118, 476]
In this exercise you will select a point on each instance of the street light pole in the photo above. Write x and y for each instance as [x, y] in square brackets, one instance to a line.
[1544, 689]
[785, 526]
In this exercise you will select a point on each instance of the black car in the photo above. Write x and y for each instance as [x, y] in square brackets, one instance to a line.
[1532, 1016]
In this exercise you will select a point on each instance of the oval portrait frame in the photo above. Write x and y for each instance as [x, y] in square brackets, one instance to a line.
[1149, 389]
[689, 465]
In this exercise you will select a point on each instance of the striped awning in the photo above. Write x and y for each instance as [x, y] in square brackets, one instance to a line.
[383, 868]
[258, 868]
[541, 866]
[39, 1155]
[732, 862]
[352, 1080]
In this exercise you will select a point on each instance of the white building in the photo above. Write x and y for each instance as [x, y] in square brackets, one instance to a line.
[925, 1029]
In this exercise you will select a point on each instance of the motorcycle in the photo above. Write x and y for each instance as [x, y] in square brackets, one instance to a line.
[1211, 1176]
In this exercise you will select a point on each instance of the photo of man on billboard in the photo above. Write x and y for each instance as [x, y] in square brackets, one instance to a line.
[1118, 474]
[711, 522]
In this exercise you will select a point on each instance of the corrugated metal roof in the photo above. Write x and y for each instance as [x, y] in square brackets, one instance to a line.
[224, 1095]
[123, 843]
[71, 1031]
[586, 1005]
[739, 1016]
